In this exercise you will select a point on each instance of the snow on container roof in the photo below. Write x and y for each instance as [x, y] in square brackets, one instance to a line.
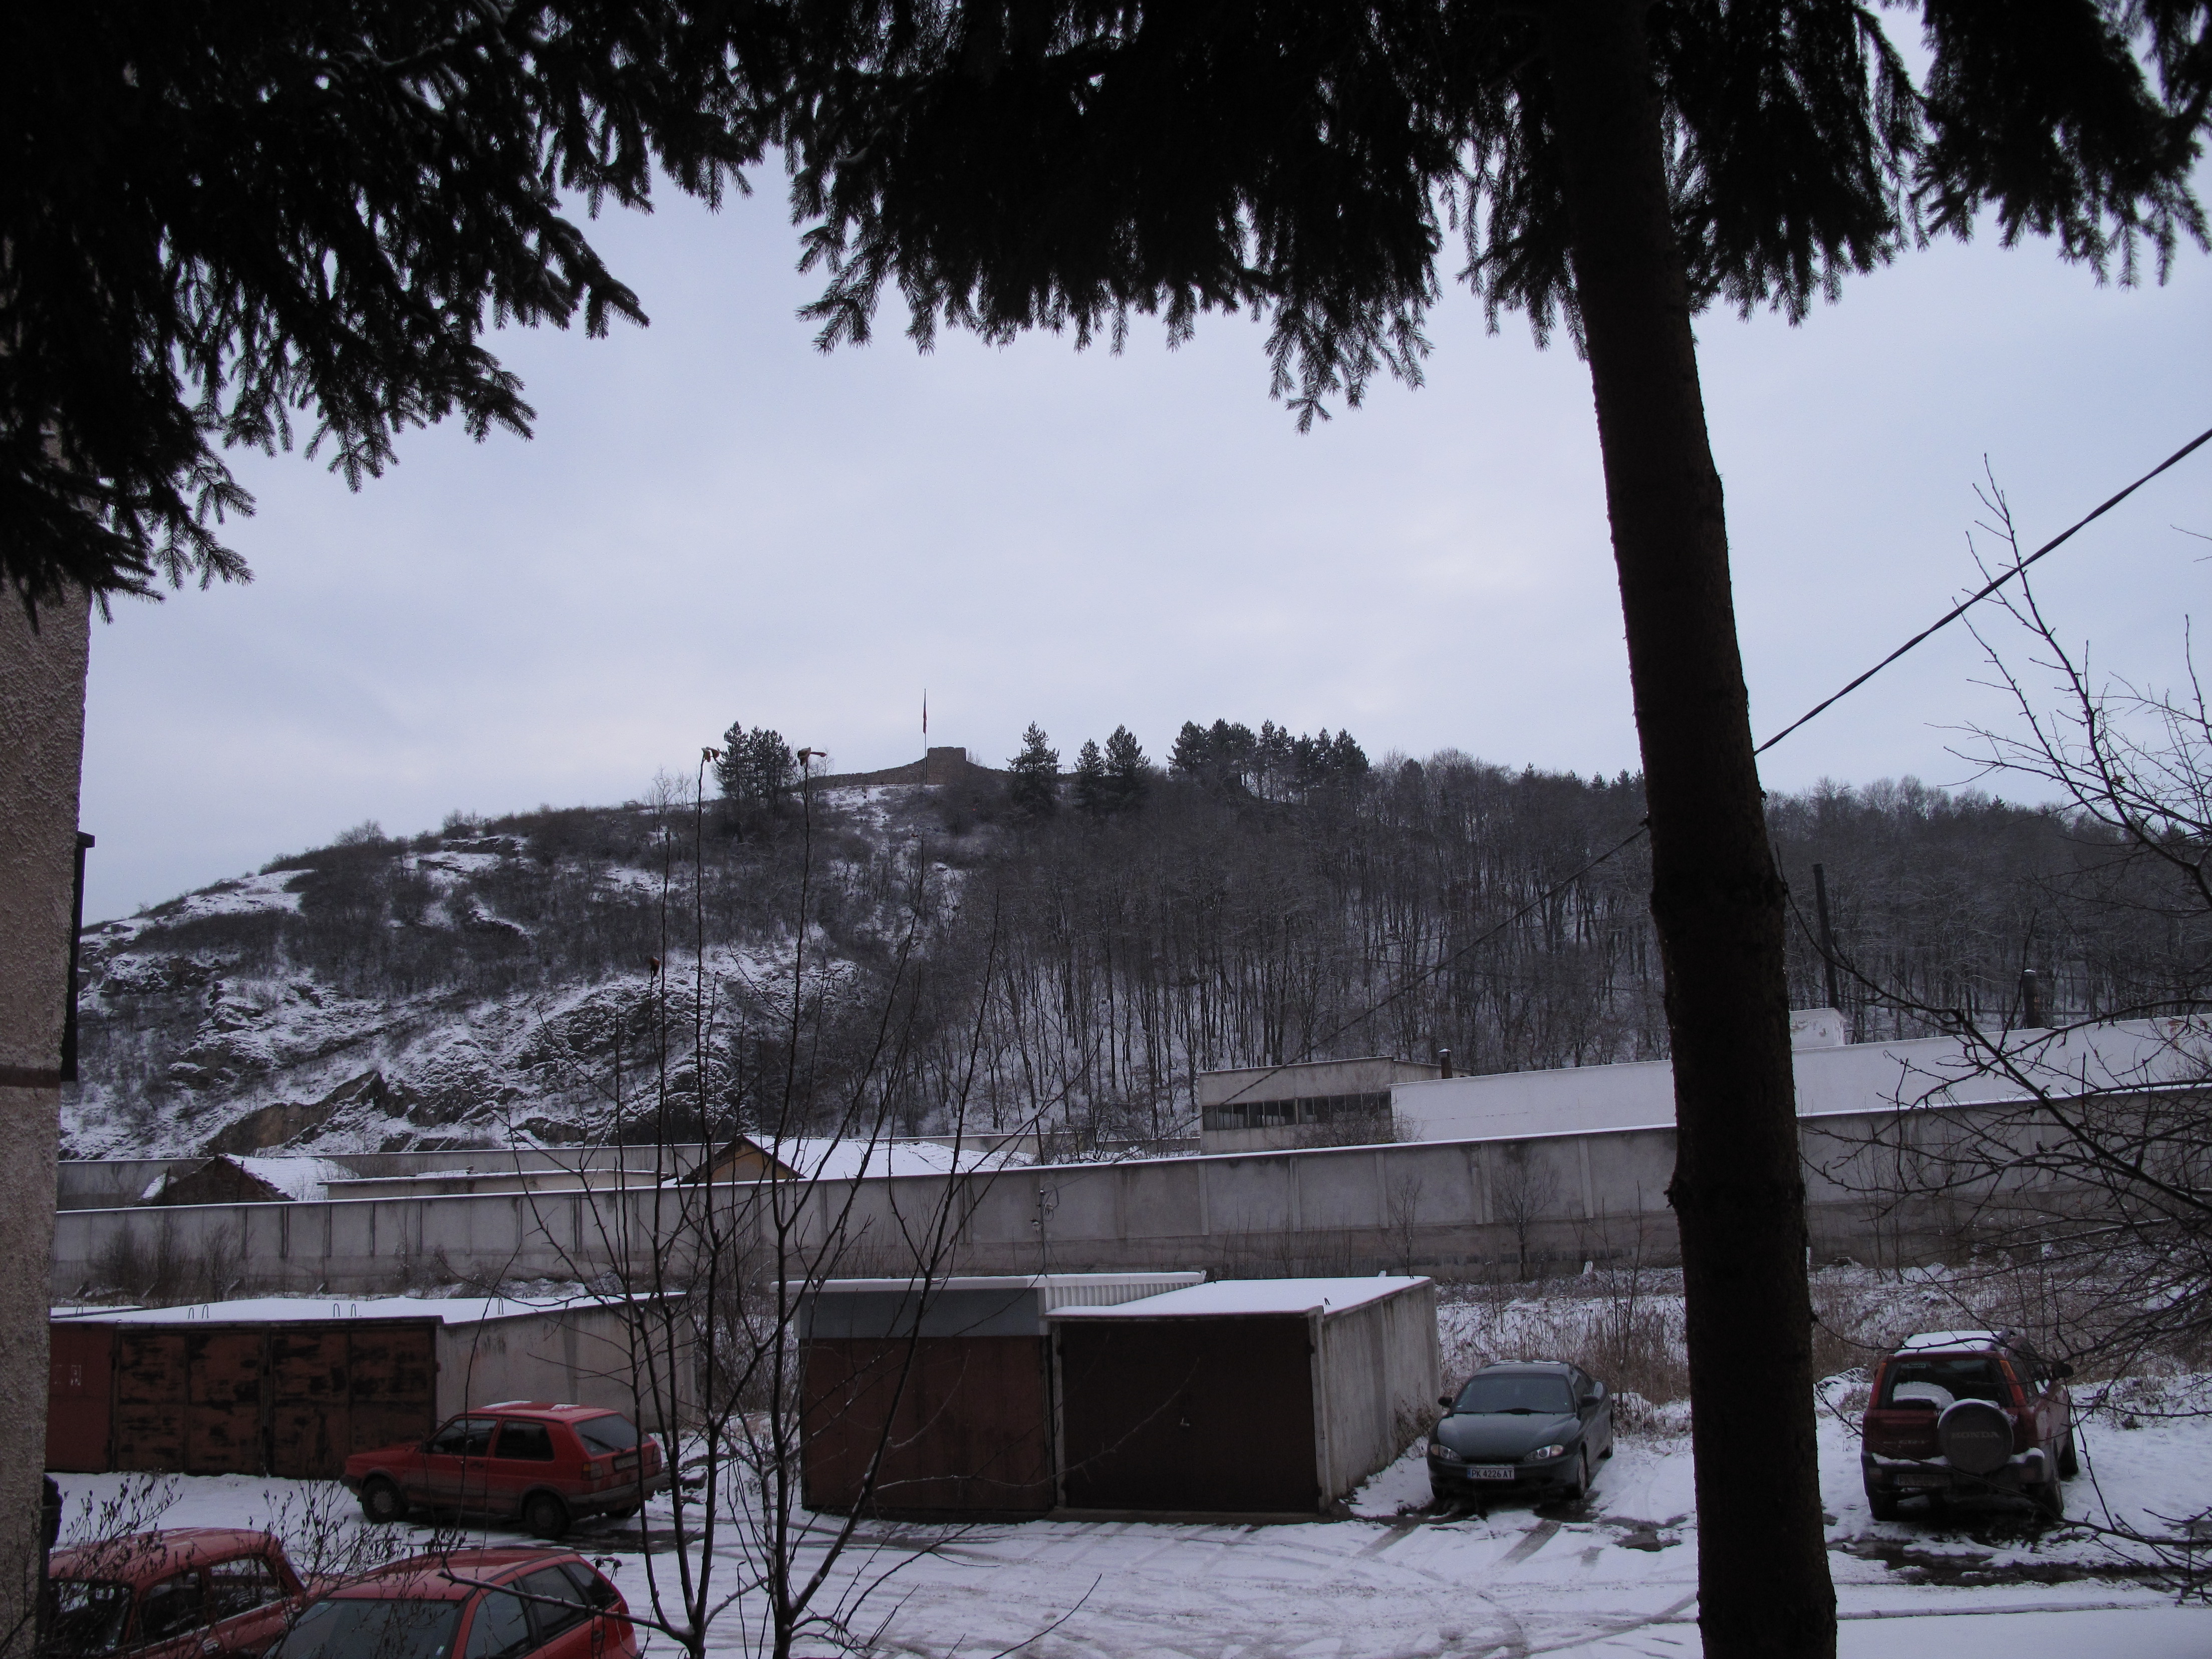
[1229, 1297]
[983, 1304]
[287, 1309]
[1052, 1284]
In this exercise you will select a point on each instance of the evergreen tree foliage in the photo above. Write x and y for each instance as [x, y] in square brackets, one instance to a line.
[1271, 765]
[1128, 774]
[1034, 789]
[225, 216]
[1091, 784]
[757, 768]
[1188, 759]
[1071, 166]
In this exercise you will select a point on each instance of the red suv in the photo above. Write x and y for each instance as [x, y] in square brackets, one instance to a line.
[190, 1590]
[1967, 1412]
[469, 1604]
[543, 1464]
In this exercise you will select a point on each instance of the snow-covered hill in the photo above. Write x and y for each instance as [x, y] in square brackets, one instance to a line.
[477, 987]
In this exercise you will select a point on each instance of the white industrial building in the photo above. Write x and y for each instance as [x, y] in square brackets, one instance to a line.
[1833, 1077]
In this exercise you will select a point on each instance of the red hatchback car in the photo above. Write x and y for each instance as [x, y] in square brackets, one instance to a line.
[1967, 1413]
[543, 1464]
[188, 1591]
[469, 1604]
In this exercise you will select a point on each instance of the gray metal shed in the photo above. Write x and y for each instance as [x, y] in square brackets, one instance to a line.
[946, 1387]
[1270, 1396]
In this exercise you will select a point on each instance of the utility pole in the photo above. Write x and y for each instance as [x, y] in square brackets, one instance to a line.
[1827, 933]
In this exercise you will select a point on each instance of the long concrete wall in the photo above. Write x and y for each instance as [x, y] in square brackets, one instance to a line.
[1447, 1208]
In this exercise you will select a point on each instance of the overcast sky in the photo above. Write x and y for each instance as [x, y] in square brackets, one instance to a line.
[715, 522]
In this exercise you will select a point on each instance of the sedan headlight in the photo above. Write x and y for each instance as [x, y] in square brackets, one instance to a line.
[1544, 1453]
[1442, 1453]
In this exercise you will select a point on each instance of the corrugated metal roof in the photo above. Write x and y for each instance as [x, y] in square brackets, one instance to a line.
[1229, 1296]
[288, 1309]
[1060, 1290]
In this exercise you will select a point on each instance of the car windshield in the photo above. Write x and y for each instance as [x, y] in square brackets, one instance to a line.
[365, 1627]
[1523, 1393]
[607, 1434]
[89, 1614]
[1936, 1381]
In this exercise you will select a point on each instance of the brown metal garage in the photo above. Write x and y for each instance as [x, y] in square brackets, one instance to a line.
[290, 1386]
[948, 1385]
[1244, 1397]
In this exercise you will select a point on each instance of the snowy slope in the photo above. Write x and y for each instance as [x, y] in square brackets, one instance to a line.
[467, 988]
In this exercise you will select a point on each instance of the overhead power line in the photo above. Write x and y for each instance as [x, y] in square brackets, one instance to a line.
[1642, 830]
[1979, 594]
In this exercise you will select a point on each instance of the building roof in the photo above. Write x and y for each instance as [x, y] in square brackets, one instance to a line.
[1229, 1297]
[1073, 1283]
[827, 1157]
[2119, 1055]
[289, 1309]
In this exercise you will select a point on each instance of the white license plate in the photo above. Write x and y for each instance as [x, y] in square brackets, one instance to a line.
[1491, 1471]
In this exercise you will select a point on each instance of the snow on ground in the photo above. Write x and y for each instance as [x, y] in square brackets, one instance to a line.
[1612, 1578]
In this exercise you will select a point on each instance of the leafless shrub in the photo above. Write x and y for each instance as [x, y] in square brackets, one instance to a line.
[1522, 1192]
[165, 1273]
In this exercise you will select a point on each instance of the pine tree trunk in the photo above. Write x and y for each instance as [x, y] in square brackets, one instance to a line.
[1738, 1191]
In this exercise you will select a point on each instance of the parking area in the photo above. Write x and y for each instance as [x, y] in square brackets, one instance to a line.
[1610, 1578]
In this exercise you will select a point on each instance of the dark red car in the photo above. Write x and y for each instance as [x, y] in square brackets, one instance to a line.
[469, 1604]
[543, 1464]
[188, 1591]
[1961, 1413]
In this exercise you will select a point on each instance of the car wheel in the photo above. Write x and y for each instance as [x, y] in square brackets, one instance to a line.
[622, 1514]
[1578, 1488]
[545, 1514]
[2069, 1465]
[381, 1501]
[2050, 1497]
[1882, 1501]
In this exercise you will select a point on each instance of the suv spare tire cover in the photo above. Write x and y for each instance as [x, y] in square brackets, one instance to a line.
[1975, 1435]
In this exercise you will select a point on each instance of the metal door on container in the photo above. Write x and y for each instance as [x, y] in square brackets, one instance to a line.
[961, 1423]
[78, 1398]
[149, 1431]
[1189, 1415]
[310, 1424]
[392, 1377]
[224, 1372]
